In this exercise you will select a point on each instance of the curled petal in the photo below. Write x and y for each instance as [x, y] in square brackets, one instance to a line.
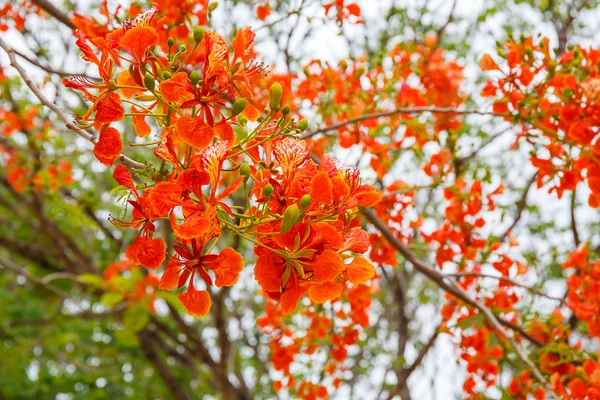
[367, 196]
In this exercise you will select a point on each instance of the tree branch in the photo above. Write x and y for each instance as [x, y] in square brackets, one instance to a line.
[454, 289]
[61, 114]
[402, 110]
[55, 12]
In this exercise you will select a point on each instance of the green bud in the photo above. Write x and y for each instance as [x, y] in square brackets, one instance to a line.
[171, 41]
[275, 92]
[212, 6]
[242, 120]
[285, 110]
[268, 190]
[238, 106]
[291, 216]
[194, 77]
[198, 34]
[149, 82]
[181, 48]
[245, 171]
[167, 75]
[302, 124]
[304, 201]
[240, 132]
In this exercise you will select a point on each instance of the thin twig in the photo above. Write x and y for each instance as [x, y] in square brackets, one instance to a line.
[505, 279]
[451, 287]
[403, 110]
[62, 115]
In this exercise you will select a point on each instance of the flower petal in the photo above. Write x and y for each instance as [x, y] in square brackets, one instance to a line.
[195, 132]
[196, 302]
[325, 291]
[109, 146]
[360, 270]
[147, 252]
[327, 267]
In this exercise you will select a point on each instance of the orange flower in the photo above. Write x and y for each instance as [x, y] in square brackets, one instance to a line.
[109, 146]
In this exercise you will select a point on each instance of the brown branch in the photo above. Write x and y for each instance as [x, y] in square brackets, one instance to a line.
[46, 67]
[55, 12]
[520, 206]
[402, 110]
[14, 267]
[506, 279]
[454, 289]
[61, 114]
[159, 365]
[573, 220]
[406, 372]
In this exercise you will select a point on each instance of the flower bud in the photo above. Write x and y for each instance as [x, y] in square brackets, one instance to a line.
[149, 82]
[194, 77]
[304, 201]
[285, 110]
[171, 41]
[241, 133]
[302, 124]
[198, 34]
[275, 93]
[242, 120]
[182, 48]
[212, 6]
[268, 190]
[238, 106]
[167, 75]
[291, 216]
[245, 171]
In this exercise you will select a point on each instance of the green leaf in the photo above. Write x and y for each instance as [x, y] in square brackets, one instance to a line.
[136, 318]
[91, 279]
[118, 189]
[127, 338]
[111, 299]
